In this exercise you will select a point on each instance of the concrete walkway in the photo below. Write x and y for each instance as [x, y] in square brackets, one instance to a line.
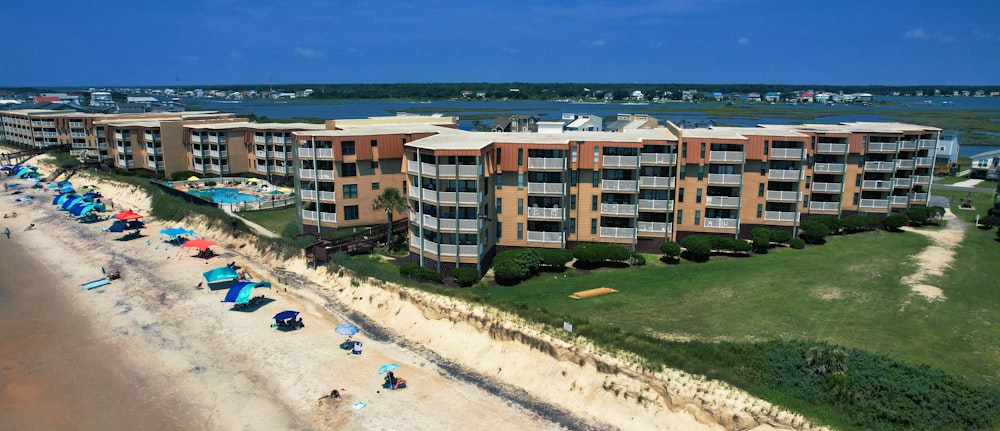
[256, 227]
[968, 183]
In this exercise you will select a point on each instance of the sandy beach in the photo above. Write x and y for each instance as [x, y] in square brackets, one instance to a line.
[154, 342]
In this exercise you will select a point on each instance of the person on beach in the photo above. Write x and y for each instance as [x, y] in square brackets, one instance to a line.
[6, 231]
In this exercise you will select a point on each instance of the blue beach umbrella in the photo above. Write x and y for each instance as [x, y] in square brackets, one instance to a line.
[385, 368]
[347, 329]
[284, 315]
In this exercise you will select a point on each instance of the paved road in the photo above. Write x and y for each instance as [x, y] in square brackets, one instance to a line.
[962, 189]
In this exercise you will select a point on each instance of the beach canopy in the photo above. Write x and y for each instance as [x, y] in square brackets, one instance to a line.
[122, 226]
[193, 178]
[127, 215]
[68, 203]
[175, 232]
[241, 291]
[220, 274]
[277, 192]
[385, 368]
[200, 244]
[284, 315]
[67, 190]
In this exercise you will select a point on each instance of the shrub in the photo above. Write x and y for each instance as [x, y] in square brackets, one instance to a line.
[416, 271]
[813, 232]
[555, 257]
[670, 249]
[465, 276]
[987, 221]
[507, 272]
[182, 175]
[593, 254]
[893, 222]
[779, 236]
[797, 243]
[529, 260]
[739, 246]
[761, 241]
[638, 259]
[833, 224]
[698, 247]
[917, 215]
[858, 222]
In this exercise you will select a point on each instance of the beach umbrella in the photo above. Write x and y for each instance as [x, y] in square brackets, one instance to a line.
[385, 368]
[253, 180]
[220, 274]
[200, 244]
[174, 232]
[276, 192]
[127, 215]
[66, 190]
[89, 187]
[193, 178]
[78, 208]
[347, 329]
[285, 189]
[284, 315]
[241, 291]
[68, 203]
[117, 226]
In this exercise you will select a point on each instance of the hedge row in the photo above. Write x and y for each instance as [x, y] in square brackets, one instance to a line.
[417, 271]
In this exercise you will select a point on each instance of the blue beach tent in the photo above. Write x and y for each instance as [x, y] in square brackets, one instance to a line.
[221, 274]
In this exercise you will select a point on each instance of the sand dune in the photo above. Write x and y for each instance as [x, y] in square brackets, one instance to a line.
[468, 366]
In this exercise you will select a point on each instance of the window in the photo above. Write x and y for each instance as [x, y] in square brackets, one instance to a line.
[573, 152]
[763, 168]
[593, 203]
[683, 171]
[573, 177]
[351, 212]
[805, 201]
[520, 207]
[499, 229]
[520, 231]
[702, 154]
[520, 156]
[375, 186]
[572, 202]
[593, 226]
[597, 156]
[596, 177]
[498, 157]
[572, 225]
[350, 191]
[760, 190]
[701, 172]
[347, 148]
[766, 144]
[374, 164]
[861, 161]
[499, 206]
[684, 150]
[374, 143]
[697, 217]
[857, 180]
[680, 194]
[348, 169]
[499, 178]
[697, 198]
[856, 197]
[808, 178]
[680, 217]
[520, 180]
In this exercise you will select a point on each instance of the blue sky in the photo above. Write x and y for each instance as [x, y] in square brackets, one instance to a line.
[857, 42]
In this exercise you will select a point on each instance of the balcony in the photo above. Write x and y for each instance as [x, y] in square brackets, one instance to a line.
[617, 186]
[313, 195]
[618, 209]
[921, 180]
[656, 205]
[828, 168]
[782, 196]
[824, 206]
[722, 201]
[154, 165]
[725, 179]
[216, 154]
[876, 185]
[721, 223]
[880, 166]
[125, 163]
[262, 168]
[545, 237]
[874, 203]
[904, 164]
[927, 143]
[826, 187]
[725, 156]
[550, 189]
[784, 174]
[901, 183]
[899, 201]
[653, 227]
[617, 232]
[920, 197]
[468, 198]
[415, 192]
[907, 145]
[786, 153]
[656, 182]
[924, 162]
[452, 224]
[259, 140]
[882, 147]
[621, 162]
[658, 159]
[546, 163]
[123, 149]
[317, 153]
[780, 216]
[154, 150]
[78, 135]
[470, 250]
[195, 138]
[460, 171]
[213, 139]
[427, 246]
[76, 124]
[260, 154]
[421, 168]
[322, 174]
[545, 213]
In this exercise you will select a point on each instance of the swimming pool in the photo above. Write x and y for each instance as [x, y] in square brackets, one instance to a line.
[225, 195]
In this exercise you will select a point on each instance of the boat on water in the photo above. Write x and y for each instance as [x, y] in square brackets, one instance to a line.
[226, 101]
[635, 103]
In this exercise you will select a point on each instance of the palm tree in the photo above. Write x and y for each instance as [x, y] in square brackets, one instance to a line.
[390, 201]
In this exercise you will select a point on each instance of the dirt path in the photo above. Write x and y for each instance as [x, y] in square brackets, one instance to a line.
[936, 258]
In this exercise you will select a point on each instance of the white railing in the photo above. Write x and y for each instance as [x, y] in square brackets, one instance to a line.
[787, 153]
[725, 156]
[260, 153]
[921, 179]
[259, 139]
[904, 164]
[879, 166]
[927, 143]
[784, 174]
[415, 192]
[618, 209]
[920, 197]
[828, 168]
[220, 154]
[901, 182]
[546, 163]
[546, 213]
[658, 159]
[195, 137]
[548, 237]
[725, 179]
[876, 185]
[617, 232]
[546, 188]
[621, 162]
[782, 196]
[652, 226]
[462, 250]
[882, 147]
[308, 194]
[874, 203]
[619, 185]
[924, 162]
[154, 150]
[826, 187]
[423, 168]
[656, 182]
[430, 246]
[310, 215]
[459, 197]
[319, 153]
[899, 200]
[453, 171]
[908, 145]
[212, 139]
[779, 216]
[721, 223]
[78, 135]
[824, 206]
[722, 201]
[656, 204]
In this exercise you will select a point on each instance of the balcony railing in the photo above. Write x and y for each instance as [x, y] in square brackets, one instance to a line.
[553, 189]
[618, 185]
[322, 174]
[787, 153]
[782, 196]
[876, 185]
[882, 147]
[618, 209]
[458, 197]
[470, 250]
[658, 159]
[459, 171]
[656, 205]
[722, 201]
[921, 179]
[897, 201]
[779, 215]
[656, 182]
[617, 232]
[319, 153]
[725, 179]
[907, 145]
[621, 161]
[826, 187]
[546, 237]
[546, 163]
[310, 215]
[652, 226]
[920, 197]
[725, 156]
[879, 166]
[828, 168]
[904, 164]
[217, 154]
[874, 203]
[824, 206]
[154, 150]
[784, 174]
[924, 162]
[425, 169]
[545, 213]
[901, 183]
[831, 149]
[927, 143]
[721, 223]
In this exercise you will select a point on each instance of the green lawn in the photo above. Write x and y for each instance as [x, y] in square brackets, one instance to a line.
[276, 221]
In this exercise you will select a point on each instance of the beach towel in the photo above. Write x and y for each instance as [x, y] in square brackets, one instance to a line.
[359, 405]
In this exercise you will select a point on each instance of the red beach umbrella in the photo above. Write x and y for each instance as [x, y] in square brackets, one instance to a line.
[127, 215]
[200, 244]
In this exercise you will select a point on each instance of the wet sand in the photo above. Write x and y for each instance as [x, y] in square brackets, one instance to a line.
[57, 372]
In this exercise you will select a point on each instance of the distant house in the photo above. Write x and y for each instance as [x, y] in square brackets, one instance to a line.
[481, 94]
[807, 97]
[753, 97]
[717, 96]
[583, 122]
[637, 95]
[948, 148]
[516, 123]
[466, 94]
[688, 95]
[772, 96]
[631, 122]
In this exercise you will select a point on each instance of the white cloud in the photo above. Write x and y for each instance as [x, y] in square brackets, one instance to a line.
[917, 33]
[921, 34]
[308, 52]
[235, 55]
[743, 41]
[598, 42]
[510, 50]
